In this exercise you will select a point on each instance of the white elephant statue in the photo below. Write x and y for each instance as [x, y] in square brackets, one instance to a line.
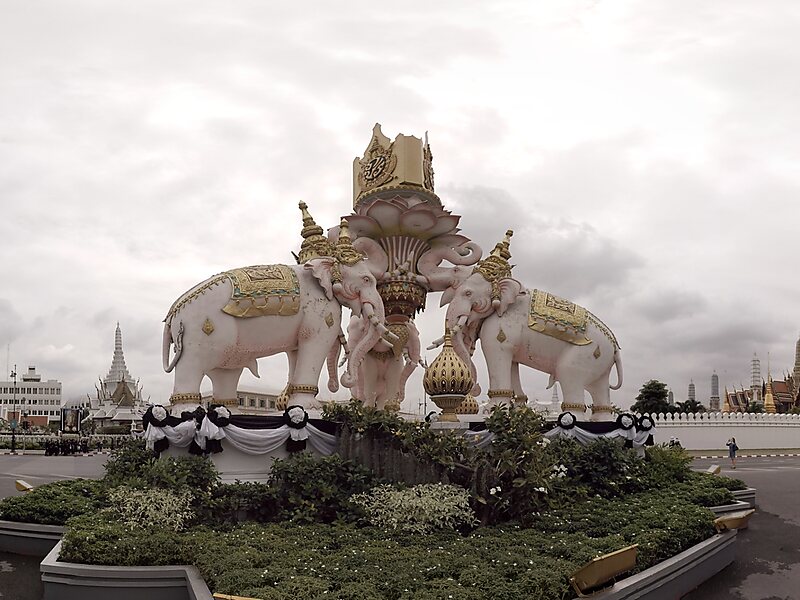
[382, 376]
[227, 322]
[534, 328]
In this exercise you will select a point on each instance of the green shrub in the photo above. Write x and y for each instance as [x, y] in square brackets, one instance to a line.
[127, 461]
[198, 473]
[311, 489]
[419, 509]
[602, 467]
[241, 501]
[54, 503]
[100, 539]
[152, 507]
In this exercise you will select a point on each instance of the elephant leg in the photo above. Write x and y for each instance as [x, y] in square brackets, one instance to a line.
[368, 371]
[186, 389]
[520, 399]
[304, 382]
[574, 400]
[601, 400]
[498, 362]
[224, 383]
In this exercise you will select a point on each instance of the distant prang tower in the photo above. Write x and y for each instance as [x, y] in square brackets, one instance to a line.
[713, 401]
[692, 394]
[755, 382]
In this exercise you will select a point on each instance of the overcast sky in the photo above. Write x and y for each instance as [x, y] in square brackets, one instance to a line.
[646, 154]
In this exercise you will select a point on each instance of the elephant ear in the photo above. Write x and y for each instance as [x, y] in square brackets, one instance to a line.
[509, 289]
[447, 296]
[321, 269]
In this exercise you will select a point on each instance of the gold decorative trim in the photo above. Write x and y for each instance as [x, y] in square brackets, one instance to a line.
[256, 289]
[501, 336]
[293, 388]
[184, 398]
[329, 320]
[571, 406]
[208, 327]
[387, 191]
[596, 352]
[187, 297]
[377, 166]
[500, 393]
[229, 402]
[598, 409]
[559, 318]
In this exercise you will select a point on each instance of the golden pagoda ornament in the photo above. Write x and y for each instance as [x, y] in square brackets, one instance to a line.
[469, 406]
[769, 398]
[447, 381]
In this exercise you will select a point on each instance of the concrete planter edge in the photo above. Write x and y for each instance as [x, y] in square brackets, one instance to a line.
[729, 508]
[28, 539]
[71, 581]
[679, 575]
[746, 495]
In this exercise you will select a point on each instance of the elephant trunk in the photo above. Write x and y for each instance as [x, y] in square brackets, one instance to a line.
[440, 278]
[333, 359]
[364, 345]
[458, 336]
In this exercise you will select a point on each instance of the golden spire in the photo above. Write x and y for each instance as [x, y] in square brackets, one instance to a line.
[726, 406]
[495, 266]
[769, 399]
[344, 250]
[314, 243]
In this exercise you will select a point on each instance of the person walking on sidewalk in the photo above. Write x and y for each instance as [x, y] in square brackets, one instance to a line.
[732, 448]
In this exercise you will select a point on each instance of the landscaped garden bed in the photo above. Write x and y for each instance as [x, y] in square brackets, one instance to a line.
[515, 519]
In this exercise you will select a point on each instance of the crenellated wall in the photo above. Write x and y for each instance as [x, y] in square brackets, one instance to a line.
[710, 431]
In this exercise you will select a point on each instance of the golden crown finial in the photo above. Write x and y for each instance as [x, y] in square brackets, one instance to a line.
[314, 243]
[344, 250]
[495, 266]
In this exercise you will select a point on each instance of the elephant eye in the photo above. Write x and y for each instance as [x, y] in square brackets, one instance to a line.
[468, 293]
[366, 279]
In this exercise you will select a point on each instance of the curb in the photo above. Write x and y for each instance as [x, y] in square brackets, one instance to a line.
[746, 456]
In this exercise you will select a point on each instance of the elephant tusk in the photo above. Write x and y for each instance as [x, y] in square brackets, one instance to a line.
[436, 343]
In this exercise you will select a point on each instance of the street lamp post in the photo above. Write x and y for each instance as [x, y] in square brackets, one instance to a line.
[16, 416]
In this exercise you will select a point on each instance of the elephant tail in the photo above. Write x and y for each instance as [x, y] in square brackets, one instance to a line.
[166, 342]
[618, 364]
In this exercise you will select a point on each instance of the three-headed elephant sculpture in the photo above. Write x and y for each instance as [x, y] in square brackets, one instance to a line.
[382, 376]
[533, 328]
[224, 324]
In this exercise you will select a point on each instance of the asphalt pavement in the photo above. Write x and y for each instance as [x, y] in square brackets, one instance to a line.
[767, 566]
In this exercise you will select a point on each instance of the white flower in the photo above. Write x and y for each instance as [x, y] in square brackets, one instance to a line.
[567, 419]
[626, 420]
[495, 490]
[159, 413]
[541, 489]
[297, 414]
[222, 412]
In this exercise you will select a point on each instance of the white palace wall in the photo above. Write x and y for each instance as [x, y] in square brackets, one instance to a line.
[710, 431]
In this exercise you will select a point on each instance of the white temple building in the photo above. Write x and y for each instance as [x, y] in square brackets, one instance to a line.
[118, 398]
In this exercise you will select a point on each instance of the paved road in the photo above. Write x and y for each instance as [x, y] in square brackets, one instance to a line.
[768, 552]
[39, 469]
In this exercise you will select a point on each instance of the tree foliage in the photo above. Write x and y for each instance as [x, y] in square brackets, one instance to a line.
[652, 398]
[691, 406]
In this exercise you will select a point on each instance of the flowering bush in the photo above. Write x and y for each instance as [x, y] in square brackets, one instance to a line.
[152, 508]
[418, 509]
